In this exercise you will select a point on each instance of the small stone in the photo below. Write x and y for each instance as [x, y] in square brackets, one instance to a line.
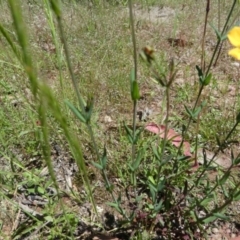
[236, 64]
[202, 214]
[228, 231]
[107, 119]
[99, 209]
[233, 235]
[215, 230]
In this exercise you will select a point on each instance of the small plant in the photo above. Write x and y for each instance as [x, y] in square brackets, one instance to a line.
[163, 190]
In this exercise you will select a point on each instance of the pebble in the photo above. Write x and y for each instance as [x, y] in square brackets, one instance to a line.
[107, 119]
[236, 64]
[215, 230]
[233, 235]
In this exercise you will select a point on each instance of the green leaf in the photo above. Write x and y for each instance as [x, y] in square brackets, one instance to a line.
[40, 190]
[10, 42]
[137, 134]
[56, 8]
[77, 113]
[130, 167]
[200, 74]
[97, 165]
[193, 215]
[190, 113]
[207, 79]
[224, 37]
[236, 161]
[151, 179]
[224, 178]
[143, 56]
[31, 190]
[137, 162]
[104, 159]
[206, 201]
[135, 91]
[150, 206]
[114, 205]
[196, 112]
[218, 34]
[158, 206]
[225, 192]
[132, 76]
[205, 162]
[129, 133]
[221, 216]
[167, 159]
[236, 196]
[161, 184]
[153, 192]
[48, 218]
[209, 219]
[155, 152]
[198, 109]
[109, 187]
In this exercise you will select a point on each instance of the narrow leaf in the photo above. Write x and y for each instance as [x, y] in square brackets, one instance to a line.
[137, 162]
[77, 113]
[224, 178]
[135, 91]
[97, 165]
[189, 111]
[155, 152]
[218, 34]
[132, 76]
[104, 159]
[161, 184]
[236, 161]
[200, 73]
[210, 219]
[207, 79]
[236, 196]
[221, 216]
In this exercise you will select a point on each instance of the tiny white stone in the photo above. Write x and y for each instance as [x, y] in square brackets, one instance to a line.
[236, 64]
[233, 235]
[107, 119]
[99, 209]
[215, 230]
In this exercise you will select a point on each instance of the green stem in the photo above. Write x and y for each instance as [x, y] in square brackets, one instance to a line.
[135, 73]
[204, 35]
[220, 40]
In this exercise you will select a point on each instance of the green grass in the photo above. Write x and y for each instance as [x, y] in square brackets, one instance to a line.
[35, 119]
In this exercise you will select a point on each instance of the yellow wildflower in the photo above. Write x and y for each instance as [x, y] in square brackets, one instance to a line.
[234, 38]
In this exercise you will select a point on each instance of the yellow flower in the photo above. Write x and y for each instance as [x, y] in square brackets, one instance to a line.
[234, 38]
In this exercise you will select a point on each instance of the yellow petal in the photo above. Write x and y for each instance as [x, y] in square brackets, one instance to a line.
[235, 52]
[234, 36]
